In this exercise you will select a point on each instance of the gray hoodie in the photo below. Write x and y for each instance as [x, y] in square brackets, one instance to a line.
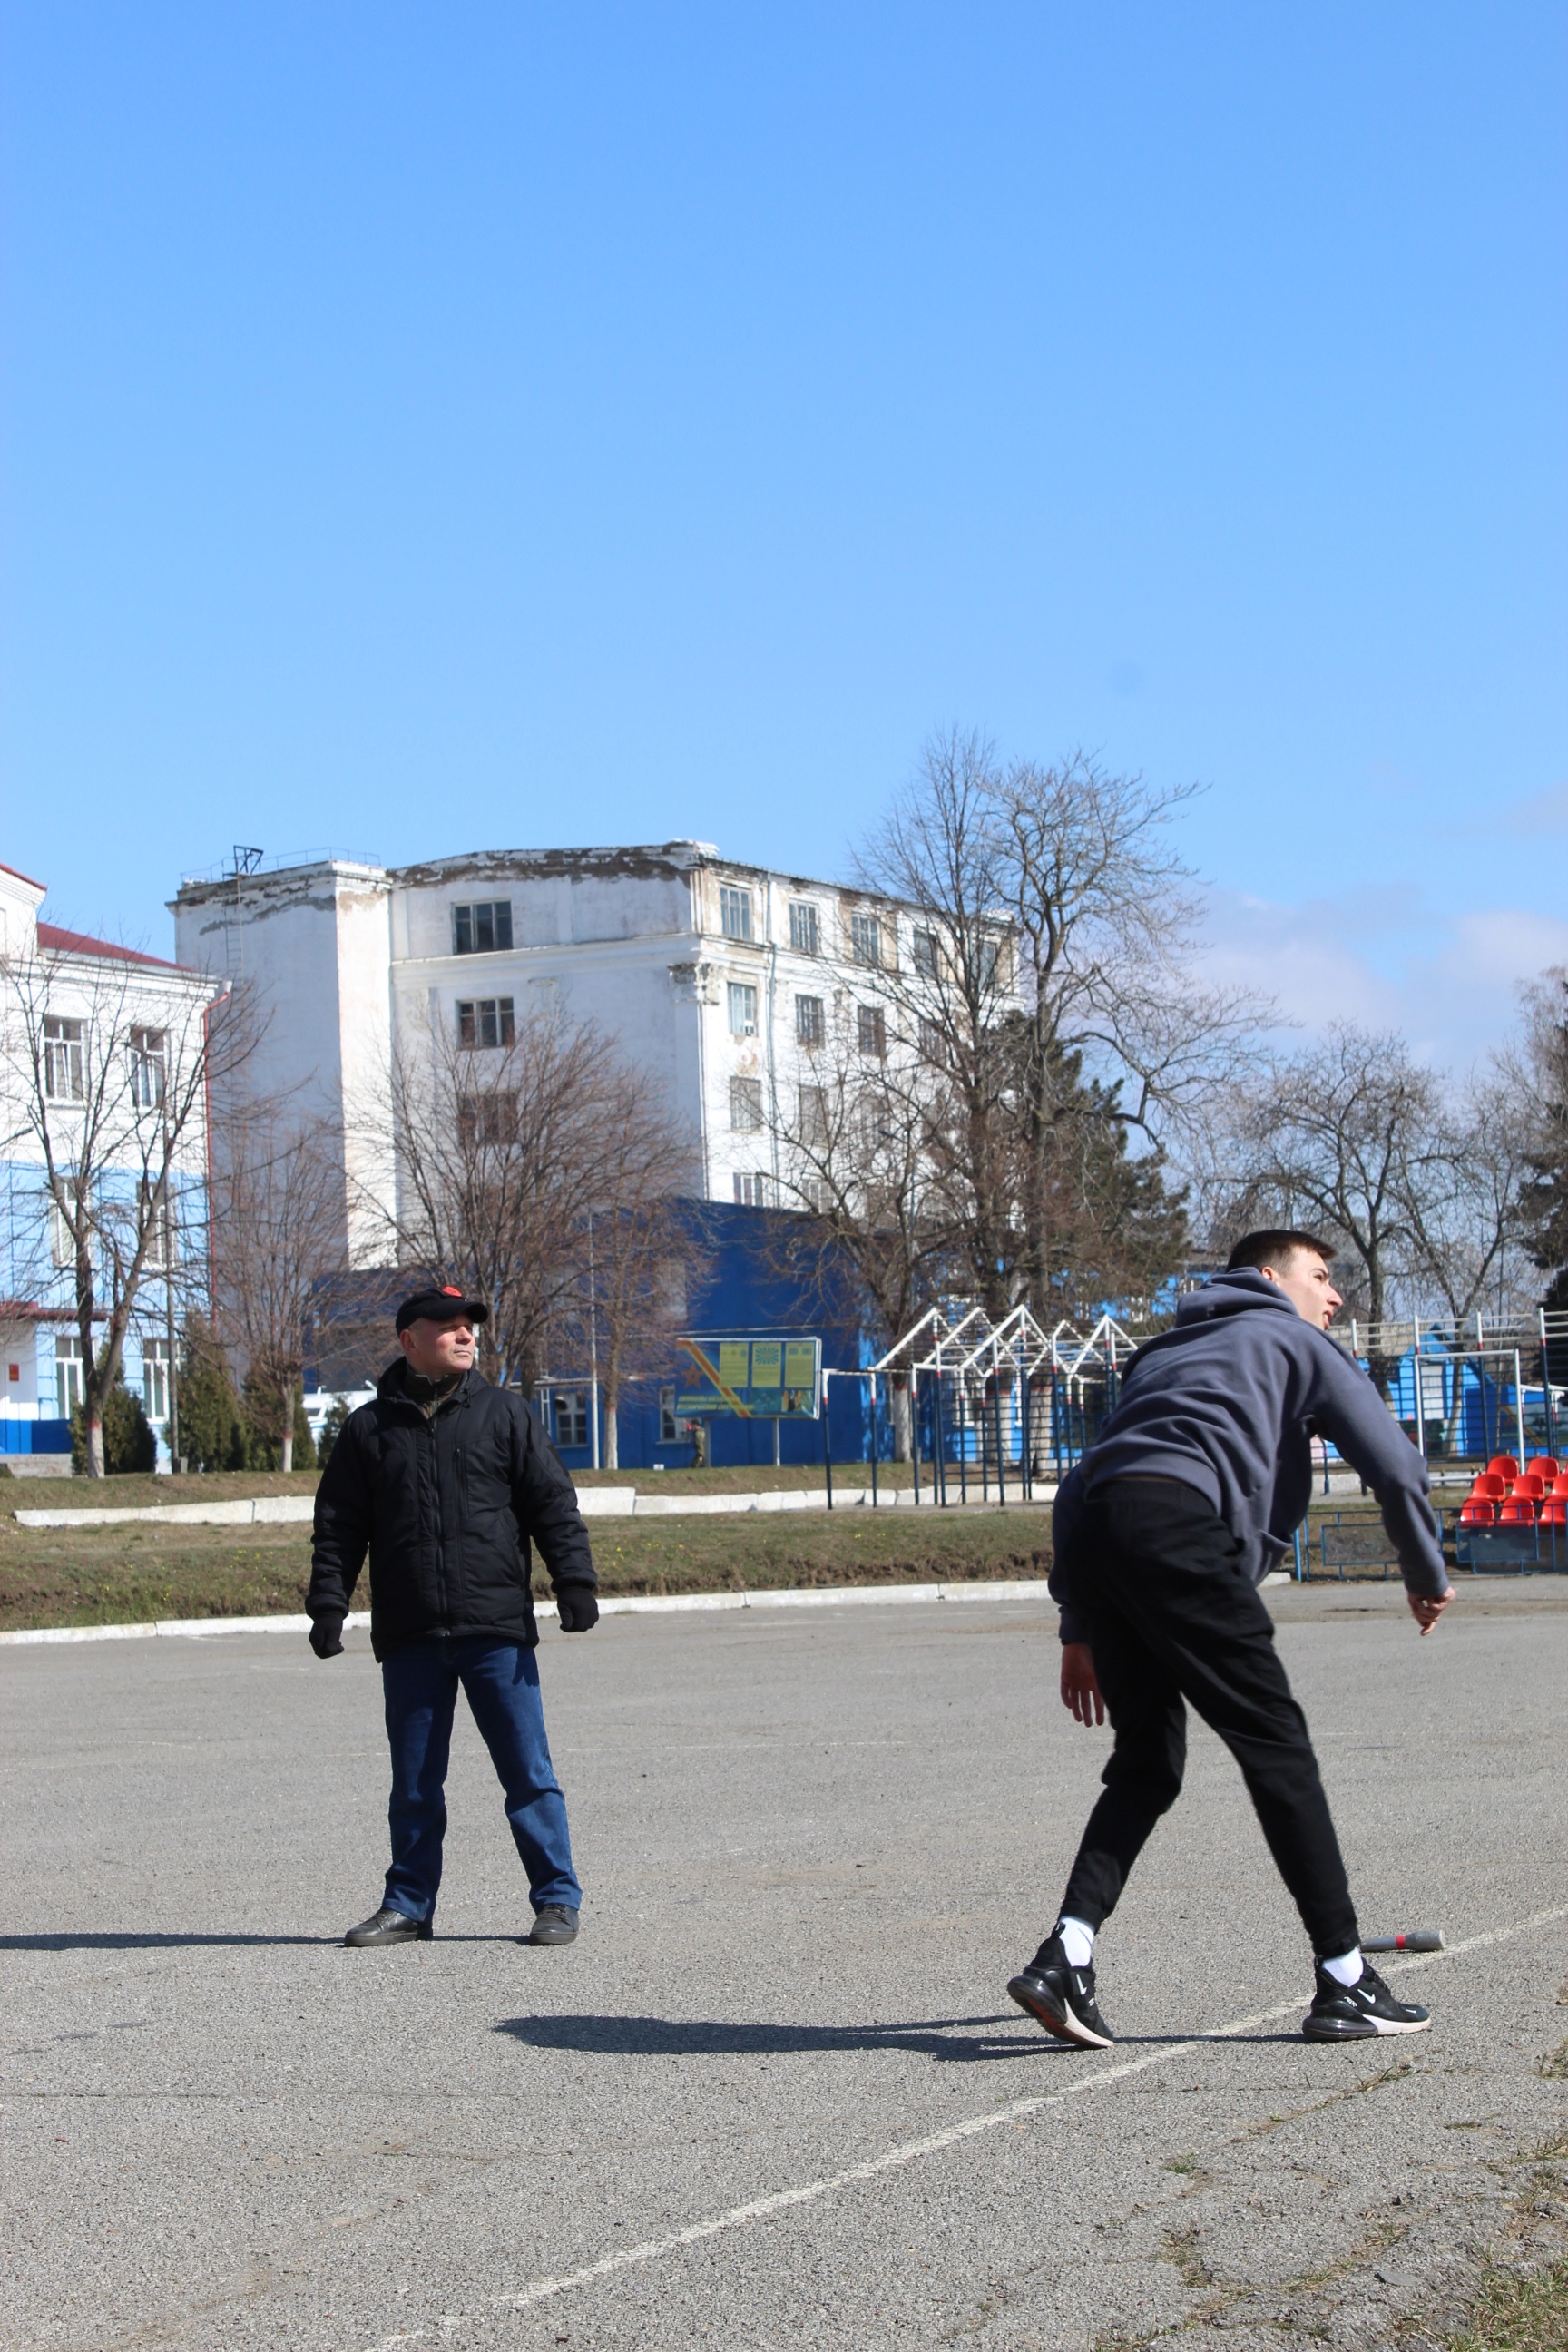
[1226, 1403]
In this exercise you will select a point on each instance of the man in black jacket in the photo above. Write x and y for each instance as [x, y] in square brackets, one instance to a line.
[445, 1481]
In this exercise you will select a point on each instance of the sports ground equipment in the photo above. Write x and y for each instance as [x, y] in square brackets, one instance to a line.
[1419, 1939]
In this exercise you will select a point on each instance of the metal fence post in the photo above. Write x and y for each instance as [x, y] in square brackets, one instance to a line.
[915, 1428]
[1001, 1479]
[826, 1437]
[873, 1380]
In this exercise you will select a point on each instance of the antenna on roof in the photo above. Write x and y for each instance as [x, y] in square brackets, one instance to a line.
[245, 861]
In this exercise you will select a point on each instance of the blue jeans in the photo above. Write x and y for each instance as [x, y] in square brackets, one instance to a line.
[500, 1680]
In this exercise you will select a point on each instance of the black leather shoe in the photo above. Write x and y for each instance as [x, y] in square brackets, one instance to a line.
[554, 1924]
[1061, 1998]
[389, 1926]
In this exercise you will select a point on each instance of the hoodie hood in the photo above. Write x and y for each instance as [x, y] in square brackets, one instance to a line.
[1230, 1294]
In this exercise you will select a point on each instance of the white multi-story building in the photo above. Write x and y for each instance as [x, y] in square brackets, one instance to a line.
[91, 1039]
[725, 982]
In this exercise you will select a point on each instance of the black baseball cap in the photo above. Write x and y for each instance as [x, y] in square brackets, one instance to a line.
[443, 1305]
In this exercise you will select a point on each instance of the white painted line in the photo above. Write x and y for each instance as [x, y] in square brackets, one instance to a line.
[1093, 2078]
[611, 1605]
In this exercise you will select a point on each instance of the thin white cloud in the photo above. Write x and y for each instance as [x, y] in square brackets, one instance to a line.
[1449, 982]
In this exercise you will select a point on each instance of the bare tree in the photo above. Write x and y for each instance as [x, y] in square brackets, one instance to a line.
[1536, 1074]
[278, 1228]
[1352, 1140]
[858, 1157]
[528, 1170]
[1467, 1218]
[639, 1251]
[1056, 985]
[107, 1067]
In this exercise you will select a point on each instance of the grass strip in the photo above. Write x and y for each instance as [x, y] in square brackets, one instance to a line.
[85, 1575]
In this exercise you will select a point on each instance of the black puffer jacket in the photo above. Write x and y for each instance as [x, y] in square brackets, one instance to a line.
[447, 1508]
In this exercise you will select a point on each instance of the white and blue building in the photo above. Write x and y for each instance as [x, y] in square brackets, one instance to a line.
[58, 990]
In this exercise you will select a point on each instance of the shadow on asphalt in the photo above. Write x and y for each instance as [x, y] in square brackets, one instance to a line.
[112, 1940]
[666, 2037]
[943, 2037]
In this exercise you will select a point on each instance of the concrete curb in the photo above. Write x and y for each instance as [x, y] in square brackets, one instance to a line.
[614, 1604]
[593, 1502]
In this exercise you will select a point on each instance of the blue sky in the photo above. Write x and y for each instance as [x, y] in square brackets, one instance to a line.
[428, 429]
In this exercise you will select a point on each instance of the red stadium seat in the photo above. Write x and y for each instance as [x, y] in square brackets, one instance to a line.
[1502, 1466]
[1526, 1488]
[1490, 1485]
[1478, 1512]
[1560, 1484]
[1543, 1466]
[1519, 1511]
[1554, 1511]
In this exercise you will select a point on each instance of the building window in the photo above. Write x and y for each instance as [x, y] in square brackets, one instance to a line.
[988, 962]
[743, 1009]
[149, 1067]
[480, 929]
[68, 1374]
[570, 1417]
[814, 1115]
[158, 1225]
[668, 1433]
[487, 1120]
[866, 939]
[805, 930]
[810, 1023]
[746, 1104]
[816, 1193]
[62, 1060]
[934, 1044]
[927, 955]
[485, 1022]
[62, 1241]
[751, 1191]
[872, 1025]
[735, 913]
[156, 1378]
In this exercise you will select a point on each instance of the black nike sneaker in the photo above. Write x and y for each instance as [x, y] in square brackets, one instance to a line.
[1355, 2012]
[1061, 1998]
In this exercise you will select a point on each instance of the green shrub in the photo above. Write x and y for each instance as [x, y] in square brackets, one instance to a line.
[128, 1443]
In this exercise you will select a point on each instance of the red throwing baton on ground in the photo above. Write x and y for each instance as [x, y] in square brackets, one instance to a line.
[1420, 1940]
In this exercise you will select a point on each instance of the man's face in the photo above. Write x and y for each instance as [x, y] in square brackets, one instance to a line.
[1304, 1279]
[439, 1348]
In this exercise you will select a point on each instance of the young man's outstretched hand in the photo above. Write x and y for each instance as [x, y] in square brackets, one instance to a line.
[1080, 1689]
[1427, 1611]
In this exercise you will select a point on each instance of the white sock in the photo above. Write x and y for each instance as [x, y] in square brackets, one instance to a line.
[1078, 1942]
[1347, 1968]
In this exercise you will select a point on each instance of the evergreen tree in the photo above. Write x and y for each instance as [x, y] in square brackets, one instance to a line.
[214, 1434]
[331, 1429]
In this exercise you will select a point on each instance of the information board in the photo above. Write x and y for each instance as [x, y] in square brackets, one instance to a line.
[760, 1380]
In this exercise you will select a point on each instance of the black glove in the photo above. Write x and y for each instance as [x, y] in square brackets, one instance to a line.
[578, 1608]
[327, 1637]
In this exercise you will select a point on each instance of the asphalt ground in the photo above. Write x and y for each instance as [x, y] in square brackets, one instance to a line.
[775, 2093]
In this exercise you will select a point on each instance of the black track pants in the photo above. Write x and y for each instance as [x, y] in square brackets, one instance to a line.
[1169, 1616]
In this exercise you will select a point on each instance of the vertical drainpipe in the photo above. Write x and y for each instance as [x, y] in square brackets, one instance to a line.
[772, 1070]
[699, 1006]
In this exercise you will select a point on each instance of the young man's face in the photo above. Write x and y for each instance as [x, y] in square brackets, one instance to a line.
[1304, 1279]
[437, 1349]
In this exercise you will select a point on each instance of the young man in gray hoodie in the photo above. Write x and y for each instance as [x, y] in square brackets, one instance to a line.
[1162, 1533]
